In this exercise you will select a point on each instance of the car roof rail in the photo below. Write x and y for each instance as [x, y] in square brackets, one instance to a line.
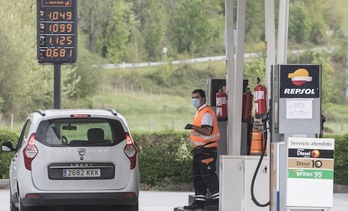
[113, 111]
[41, 112]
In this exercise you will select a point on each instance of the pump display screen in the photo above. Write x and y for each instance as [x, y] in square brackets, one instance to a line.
[56, 31]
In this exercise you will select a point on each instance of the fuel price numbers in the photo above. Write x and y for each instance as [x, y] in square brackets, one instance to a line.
[57, 31]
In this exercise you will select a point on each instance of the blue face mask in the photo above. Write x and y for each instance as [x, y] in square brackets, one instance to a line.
[196, 102]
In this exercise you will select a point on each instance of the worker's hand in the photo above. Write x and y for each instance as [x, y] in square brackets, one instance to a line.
[188, 127]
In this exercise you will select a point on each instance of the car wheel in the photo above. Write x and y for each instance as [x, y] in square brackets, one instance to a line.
[131, 208]
[13, 206]
[125, 208]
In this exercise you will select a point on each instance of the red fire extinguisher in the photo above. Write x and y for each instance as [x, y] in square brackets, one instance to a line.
[221, 105]
[260, 95]
[247, 105]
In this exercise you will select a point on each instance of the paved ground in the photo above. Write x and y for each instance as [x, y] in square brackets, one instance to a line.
[148, 201]
[167, 201]
[162, 201]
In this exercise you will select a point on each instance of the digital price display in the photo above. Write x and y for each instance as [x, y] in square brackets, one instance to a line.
[56, 31]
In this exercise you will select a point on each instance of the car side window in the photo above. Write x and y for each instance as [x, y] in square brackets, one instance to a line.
[24, 134]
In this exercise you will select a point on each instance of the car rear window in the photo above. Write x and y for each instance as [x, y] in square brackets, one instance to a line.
[80, 132]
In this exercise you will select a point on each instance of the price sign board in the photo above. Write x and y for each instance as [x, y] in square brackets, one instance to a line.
[56, 31]
[310, 172]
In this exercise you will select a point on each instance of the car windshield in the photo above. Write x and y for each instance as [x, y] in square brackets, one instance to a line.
[80, 132]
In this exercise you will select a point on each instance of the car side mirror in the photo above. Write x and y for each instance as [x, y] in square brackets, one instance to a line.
[7, 147]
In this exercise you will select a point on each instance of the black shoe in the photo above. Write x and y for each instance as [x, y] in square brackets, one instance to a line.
[212, 207]
[194, 206]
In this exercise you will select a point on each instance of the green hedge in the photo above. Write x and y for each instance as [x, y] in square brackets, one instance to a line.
[165, 157]
[5, 158]
[341, 158]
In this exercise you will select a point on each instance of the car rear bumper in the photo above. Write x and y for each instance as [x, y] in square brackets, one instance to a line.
[67, 199]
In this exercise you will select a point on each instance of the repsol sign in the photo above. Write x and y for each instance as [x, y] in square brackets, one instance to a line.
[299, 81]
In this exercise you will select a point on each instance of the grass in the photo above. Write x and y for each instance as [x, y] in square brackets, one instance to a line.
[149, 112]
[337, 119]
[157, 112]
[149, 109]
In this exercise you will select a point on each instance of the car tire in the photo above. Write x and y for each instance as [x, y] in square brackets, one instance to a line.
[13, 206]
[131, 208]
[125, 208]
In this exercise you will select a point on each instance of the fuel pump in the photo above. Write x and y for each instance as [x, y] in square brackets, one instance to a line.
[264, 120]
[296, 140]
[259, 135]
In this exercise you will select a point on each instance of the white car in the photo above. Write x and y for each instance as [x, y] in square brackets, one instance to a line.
[74, 157]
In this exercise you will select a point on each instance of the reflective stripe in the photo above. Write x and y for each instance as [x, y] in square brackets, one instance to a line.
[215, 196]
[212, 137]
[200, 197]
[197, 144]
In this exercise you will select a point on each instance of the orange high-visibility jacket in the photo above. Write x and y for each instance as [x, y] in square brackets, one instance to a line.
[198, 139]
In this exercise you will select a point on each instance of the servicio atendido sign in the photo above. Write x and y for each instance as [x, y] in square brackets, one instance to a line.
[310, 172]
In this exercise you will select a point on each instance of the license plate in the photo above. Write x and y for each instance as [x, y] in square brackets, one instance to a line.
[81, 172]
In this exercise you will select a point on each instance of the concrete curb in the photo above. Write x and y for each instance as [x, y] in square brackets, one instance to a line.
[4, 184]
[340, 188]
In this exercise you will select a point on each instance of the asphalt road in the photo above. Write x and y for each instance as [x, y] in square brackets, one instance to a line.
[166, 201]
[148, 201]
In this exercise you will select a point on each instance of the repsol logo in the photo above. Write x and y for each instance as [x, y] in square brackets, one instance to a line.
[299, 91]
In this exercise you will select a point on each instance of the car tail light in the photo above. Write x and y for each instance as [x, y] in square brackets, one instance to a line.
[32, 196]
[131, 151]
[130, 195]
[30, 151]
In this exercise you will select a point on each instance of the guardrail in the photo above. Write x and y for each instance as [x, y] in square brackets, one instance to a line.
[197, 60]
[176, 62]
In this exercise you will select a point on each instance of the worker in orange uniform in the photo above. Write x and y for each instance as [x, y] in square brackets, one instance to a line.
[204, 138]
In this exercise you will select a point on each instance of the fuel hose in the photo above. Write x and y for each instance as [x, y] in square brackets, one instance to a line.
[264, 133]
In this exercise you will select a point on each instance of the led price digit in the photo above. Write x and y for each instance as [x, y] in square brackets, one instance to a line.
[54, 16]
[58, 53]
[61, 40]
[60, 28]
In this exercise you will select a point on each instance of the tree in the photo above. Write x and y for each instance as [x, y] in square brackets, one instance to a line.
[107, 25]
[153, 21]
[191, 29]
[324, 16]
[94, 16]
[254, 22]
[115, 36]
[24, 84]
[299, 23]
[155, 28]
